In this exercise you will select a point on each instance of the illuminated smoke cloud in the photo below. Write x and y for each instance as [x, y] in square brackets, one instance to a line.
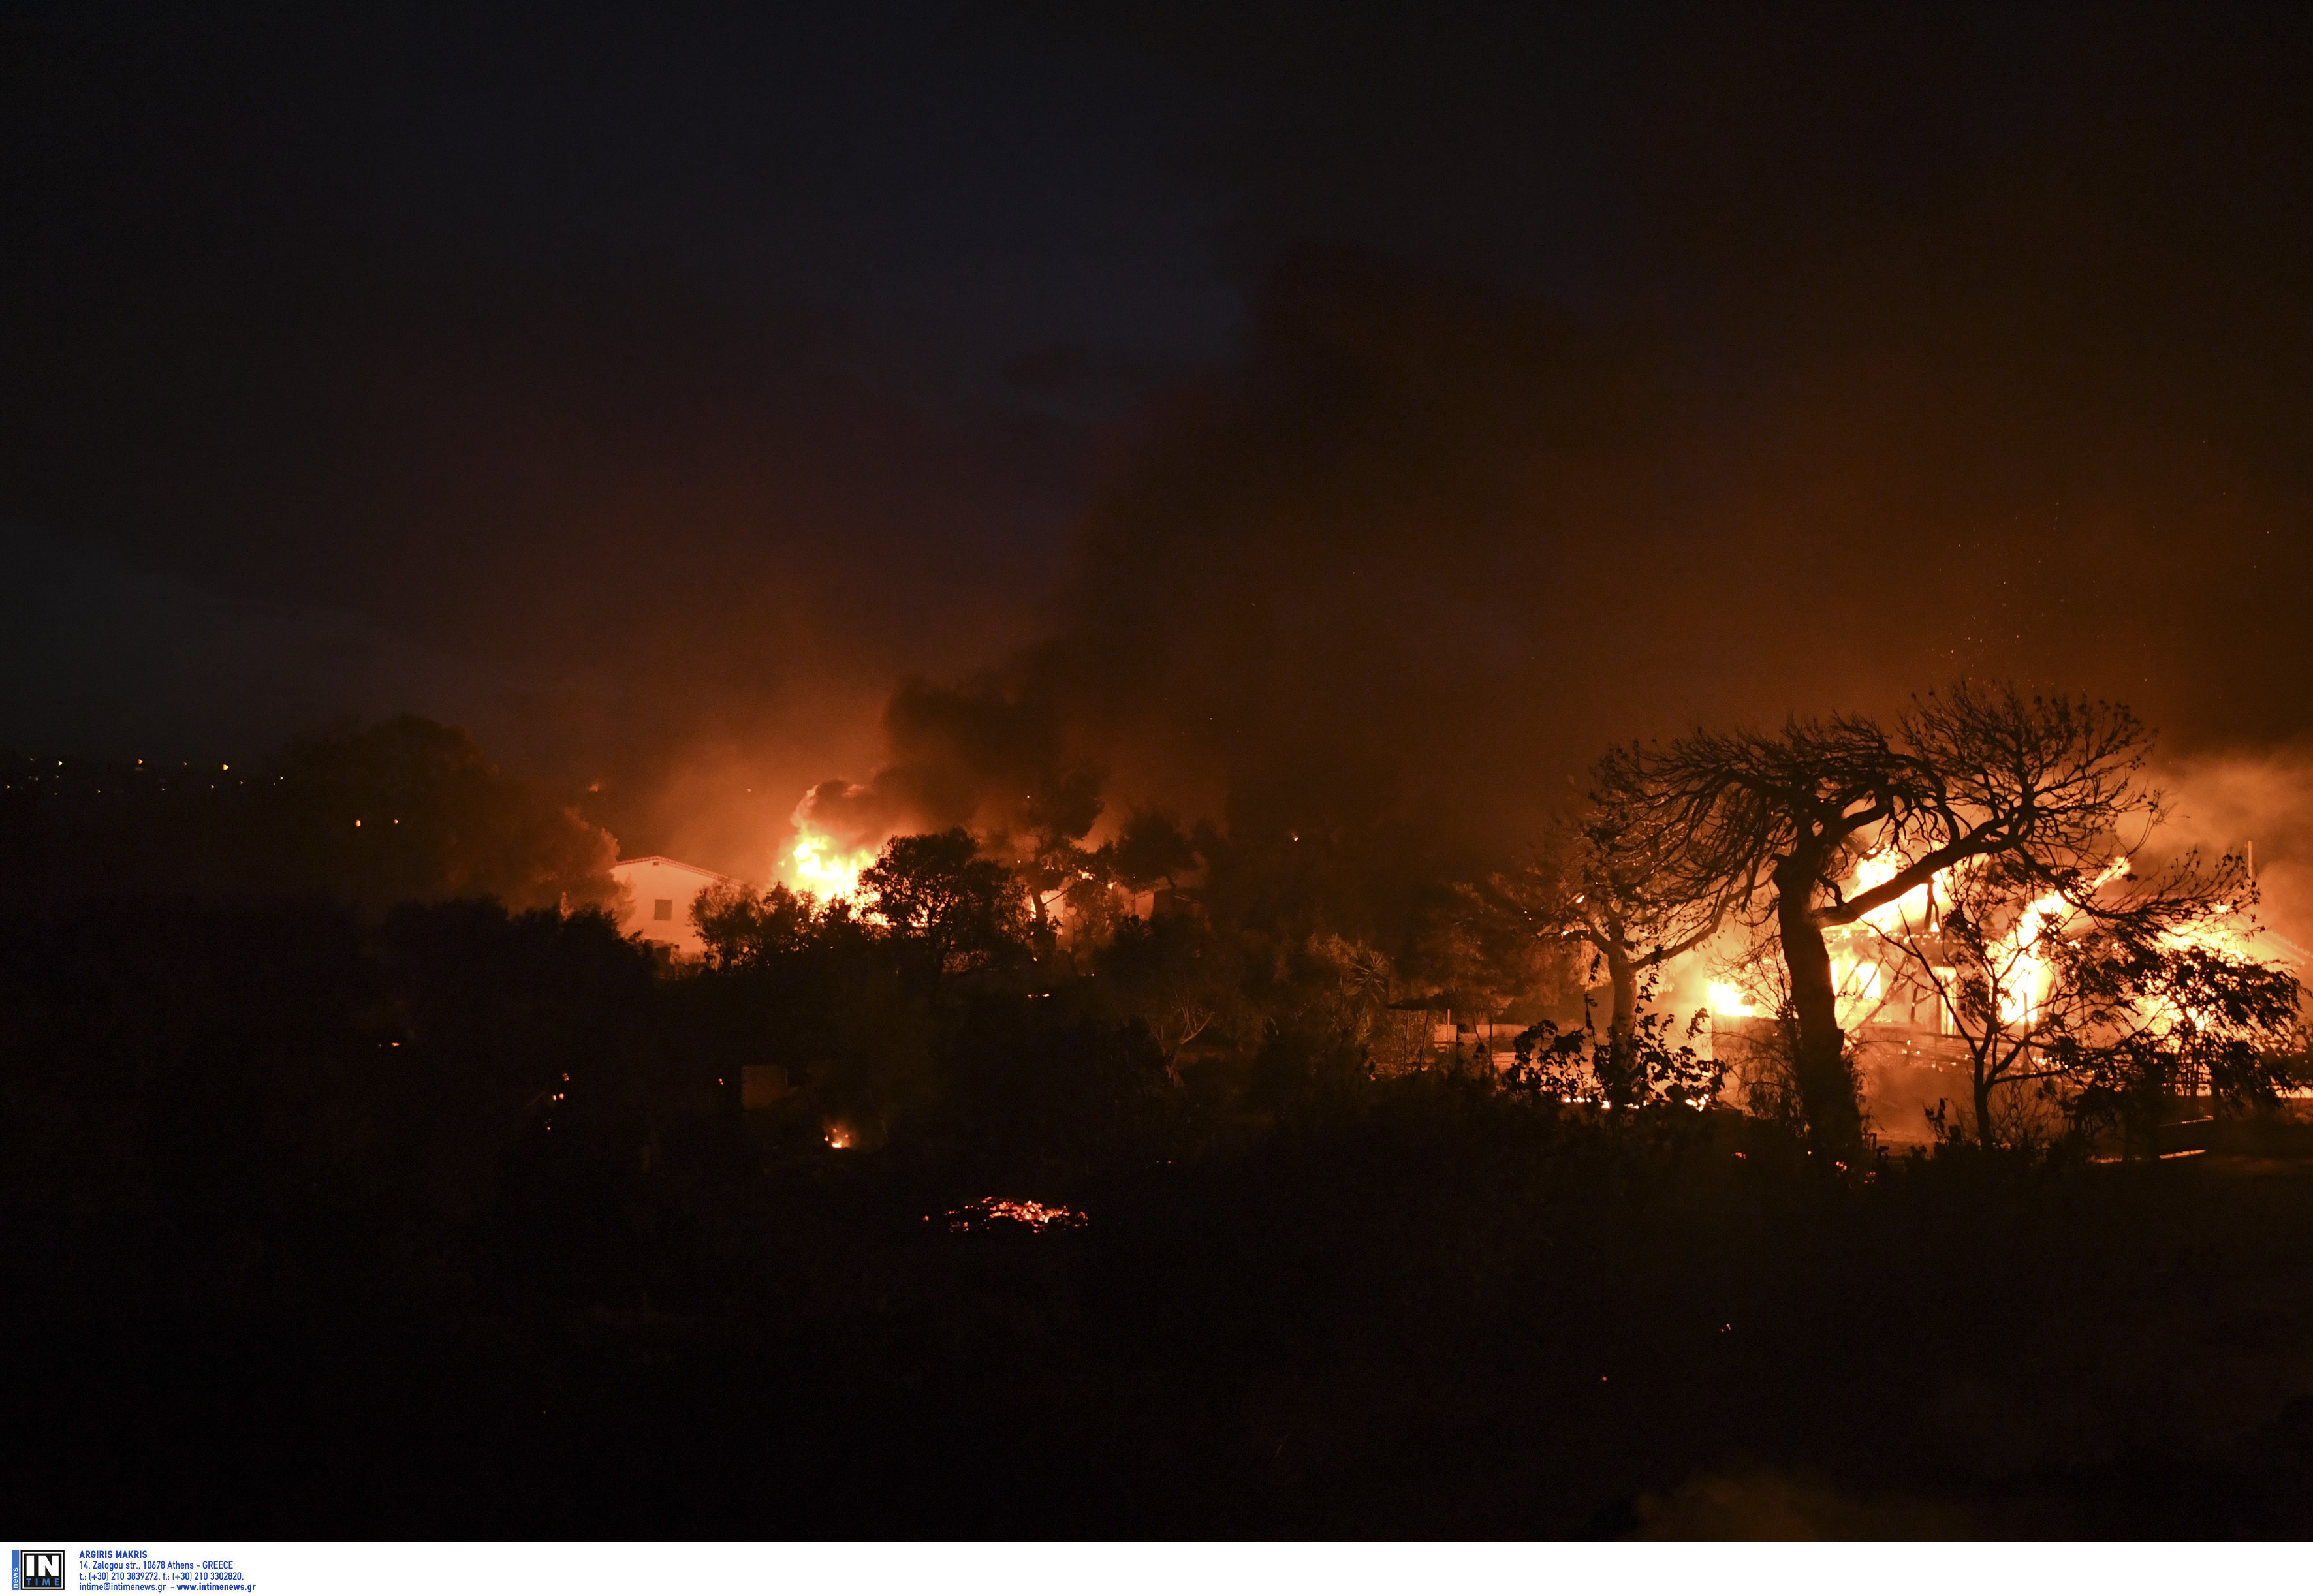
[2253, 802]
[997, 762]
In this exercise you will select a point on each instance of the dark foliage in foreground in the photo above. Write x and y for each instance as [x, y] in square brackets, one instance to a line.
[449, 1223]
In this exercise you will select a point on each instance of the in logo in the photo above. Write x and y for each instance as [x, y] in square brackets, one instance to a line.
[36, 1571]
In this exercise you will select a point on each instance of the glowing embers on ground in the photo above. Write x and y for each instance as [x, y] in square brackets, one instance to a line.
[1010, 1214]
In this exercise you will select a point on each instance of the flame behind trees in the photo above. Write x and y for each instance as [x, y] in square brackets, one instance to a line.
[2105, 989]
[1608, 881]
[2167, 1011]
[934, 895]
[1778, 821]
[935, 890]
[1652, 1063]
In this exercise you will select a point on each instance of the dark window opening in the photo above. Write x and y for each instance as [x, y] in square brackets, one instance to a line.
[662, 908]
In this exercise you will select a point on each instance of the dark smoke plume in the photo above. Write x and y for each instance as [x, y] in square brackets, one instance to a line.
[1878, 353]
[1400, 573]
[995, 759]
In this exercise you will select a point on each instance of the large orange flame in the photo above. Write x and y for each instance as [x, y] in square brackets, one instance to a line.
[819, 865]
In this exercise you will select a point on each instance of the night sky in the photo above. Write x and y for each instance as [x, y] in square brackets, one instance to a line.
[1348, 416]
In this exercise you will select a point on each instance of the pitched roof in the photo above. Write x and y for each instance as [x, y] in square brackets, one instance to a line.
[665, 862]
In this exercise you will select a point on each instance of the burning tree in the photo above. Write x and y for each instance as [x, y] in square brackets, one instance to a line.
[1777, 822]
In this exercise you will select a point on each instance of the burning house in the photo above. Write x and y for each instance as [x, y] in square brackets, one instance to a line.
[1919, 996]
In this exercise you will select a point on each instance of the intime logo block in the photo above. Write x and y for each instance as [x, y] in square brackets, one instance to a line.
[36, 1571]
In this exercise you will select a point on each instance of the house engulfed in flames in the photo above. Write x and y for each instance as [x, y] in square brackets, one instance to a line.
[1908, 1050]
